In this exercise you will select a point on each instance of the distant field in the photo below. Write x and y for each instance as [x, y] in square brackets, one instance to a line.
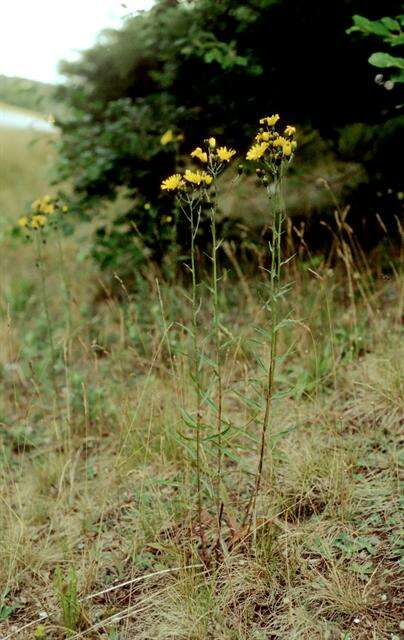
[20, 118]
[26, 159]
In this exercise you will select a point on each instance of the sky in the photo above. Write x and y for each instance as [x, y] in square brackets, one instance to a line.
[36, 34]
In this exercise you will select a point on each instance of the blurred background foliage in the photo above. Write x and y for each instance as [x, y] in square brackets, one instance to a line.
[213, 67]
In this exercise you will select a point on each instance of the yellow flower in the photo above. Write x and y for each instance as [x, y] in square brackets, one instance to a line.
[180, 137]
[47, 208]
[46, 199]
[290, 131]
[212, 143]
[167, 219]
[264, 136]
[270, 120]
[225, 154]
[65, 208]
[38, 221]
[201, 155]
[197, 177]
[257, 151]
[279, 141]
[167, 137]
[23, 221]
[36, 204]
[172, 183]
[147, 206]
[287, 149]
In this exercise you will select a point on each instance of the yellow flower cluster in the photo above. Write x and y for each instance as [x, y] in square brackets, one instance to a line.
[178, 181]
[42, 209]
[213, 154]
[271, 146]
[198, 177]
[43, 205]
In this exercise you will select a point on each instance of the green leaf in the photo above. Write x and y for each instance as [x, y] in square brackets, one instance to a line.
[385, 60]
[390, 23]
[369, 26]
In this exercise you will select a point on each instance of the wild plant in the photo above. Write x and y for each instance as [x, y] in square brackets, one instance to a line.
[45, 216]
[271, 154]
[67, 595]
[197, 190]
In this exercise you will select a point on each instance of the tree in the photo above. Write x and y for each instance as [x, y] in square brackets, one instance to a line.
[206, 67]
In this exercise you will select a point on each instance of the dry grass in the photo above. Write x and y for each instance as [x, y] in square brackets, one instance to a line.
[102, 482]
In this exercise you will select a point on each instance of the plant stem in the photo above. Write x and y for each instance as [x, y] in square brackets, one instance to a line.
[216, 327]
[39, 240]
[194, 218]
[275, 277]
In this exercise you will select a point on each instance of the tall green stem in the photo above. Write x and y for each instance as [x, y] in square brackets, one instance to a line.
[194, 217]
[41, 266]
[275, 282]
[218, 363]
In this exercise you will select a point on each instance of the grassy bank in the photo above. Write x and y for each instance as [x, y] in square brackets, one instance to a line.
[26, 159]
[99, 535]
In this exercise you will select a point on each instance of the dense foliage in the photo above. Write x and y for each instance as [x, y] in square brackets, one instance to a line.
[213, 67]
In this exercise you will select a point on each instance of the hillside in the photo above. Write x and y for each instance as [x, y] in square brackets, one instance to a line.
[28, 94]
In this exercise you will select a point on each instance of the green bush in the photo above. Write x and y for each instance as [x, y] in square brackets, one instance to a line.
[209, 67]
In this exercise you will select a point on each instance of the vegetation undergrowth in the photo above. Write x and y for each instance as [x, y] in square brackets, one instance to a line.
[156, 483]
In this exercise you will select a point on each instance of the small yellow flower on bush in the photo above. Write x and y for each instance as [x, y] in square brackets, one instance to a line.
[172, 183]
[201, 155]
[167, 137]
[270, 120]
[257, 151]
[212, 143]
[225, 154]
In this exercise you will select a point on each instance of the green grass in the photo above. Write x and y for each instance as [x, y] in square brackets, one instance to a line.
[99, 487]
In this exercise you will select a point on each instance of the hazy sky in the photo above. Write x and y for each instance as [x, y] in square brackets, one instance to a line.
[36, 34]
